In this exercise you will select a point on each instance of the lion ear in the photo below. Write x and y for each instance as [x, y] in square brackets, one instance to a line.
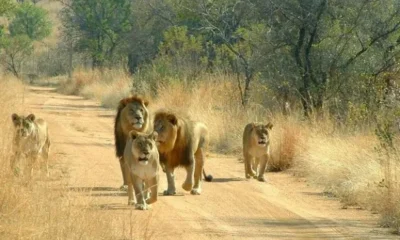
[172, 119]
[133, 134]
[31, 117]
[122, 103]
[146, 103]
[154, 135]
[15, 118]
[269, 125]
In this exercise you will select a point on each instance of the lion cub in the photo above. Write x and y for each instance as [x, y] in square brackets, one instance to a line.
[256, 149]
[31, 139]
[142, 160]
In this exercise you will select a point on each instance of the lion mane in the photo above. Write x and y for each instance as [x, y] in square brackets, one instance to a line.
[120, 135]
[181, 142]
[130, 112]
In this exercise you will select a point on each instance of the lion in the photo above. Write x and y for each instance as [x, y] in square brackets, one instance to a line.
[31, 139]
[256, 149]
[142, 160]
[132, 114]
[181, 142]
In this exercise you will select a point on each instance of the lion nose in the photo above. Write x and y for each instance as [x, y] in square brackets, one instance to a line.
[138, 118]
[146, 152]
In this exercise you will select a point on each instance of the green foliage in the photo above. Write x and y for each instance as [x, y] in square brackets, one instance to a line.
[16, 49]
[6, 6]
[32, 21]
[101, 26]
[182, 55]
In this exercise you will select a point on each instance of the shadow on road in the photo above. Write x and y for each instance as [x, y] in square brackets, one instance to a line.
[223, 180]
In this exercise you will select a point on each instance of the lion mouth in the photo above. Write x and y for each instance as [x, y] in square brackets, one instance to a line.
[143, 159]
[262, 142]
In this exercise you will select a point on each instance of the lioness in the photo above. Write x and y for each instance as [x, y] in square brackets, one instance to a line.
[132, 114]
[181, 142]
[142, 160]
[31, 138]
[256, 149]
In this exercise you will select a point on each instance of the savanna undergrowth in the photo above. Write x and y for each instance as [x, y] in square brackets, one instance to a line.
[343, 161]
[38, 208]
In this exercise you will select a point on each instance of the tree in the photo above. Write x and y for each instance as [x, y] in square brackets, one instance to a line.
[102, 26]
[149, 21]
[31, 21]
[6, 6]
[318, 46]
[227, 23]
[16, 49]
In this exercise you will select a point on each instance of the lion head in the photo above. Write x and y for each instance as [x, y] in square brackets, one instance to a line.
[143, 146]
[24, 126]
[166, 125]
[134, 112]
[260, 134]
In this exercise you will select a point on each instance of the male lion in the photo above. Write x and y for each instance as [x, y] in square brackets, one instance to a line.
[31, 138]
[132, 114]
[142, 160]
[256, 149]
[181, 142]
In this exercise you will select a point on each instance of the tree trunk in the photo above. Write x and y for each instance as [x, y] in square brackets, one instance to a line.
[133, 63]
[70, 58]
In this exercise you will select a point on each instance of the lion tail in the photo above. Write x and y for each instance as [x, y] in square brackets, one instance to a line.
[208, 178]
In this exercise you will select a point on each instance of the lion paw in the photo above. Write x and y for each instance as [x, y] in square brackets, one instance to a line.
[151, 201]
[131, 202]
[187, 186]
[123, 188]
[261, 179]
[195, 191]
[169, 193]
[141, 206]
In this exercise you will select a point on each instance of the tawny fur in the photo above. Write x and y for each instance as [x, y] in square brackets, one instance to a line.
[256, 149]
[122, 125]
[142, 160]
[181, 142]
[31, 140]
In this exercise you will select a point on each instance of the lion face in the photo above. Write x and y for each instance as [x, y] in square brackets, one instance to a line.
[24, 126]
[166, 125]
[143, 145]
[261, 134]
[135, 114]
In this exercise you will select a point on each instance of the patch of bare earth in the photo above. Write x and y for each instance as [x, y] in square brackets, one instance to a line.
[230, 207]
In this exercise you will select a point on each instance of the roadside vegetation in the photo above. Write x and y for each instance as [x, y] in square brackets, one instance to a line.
[325, 73]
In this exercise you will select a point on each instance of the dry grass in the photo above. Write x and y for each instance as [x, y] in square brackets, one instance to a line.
[108, 87]
[213, 100]
[350, 167]
[43, 208]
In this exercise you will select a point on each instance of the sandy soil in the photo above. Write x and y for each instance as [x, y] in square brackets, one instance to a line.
[230, 207]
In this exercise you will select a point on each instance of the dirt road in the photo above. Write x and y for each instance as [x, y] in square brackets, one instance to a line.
[230, 207]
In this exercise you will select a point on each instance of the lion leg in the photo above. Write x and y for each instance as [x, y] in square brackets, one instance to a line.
[171, 181]
[139, 191]
[249, 172]
[13, 163]
[31, 160]
[152, 185]
[125, 173]
[188, 184]
[45, 155]
[255, 166]
[262, 167]
[199, 165]
[131, 198]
